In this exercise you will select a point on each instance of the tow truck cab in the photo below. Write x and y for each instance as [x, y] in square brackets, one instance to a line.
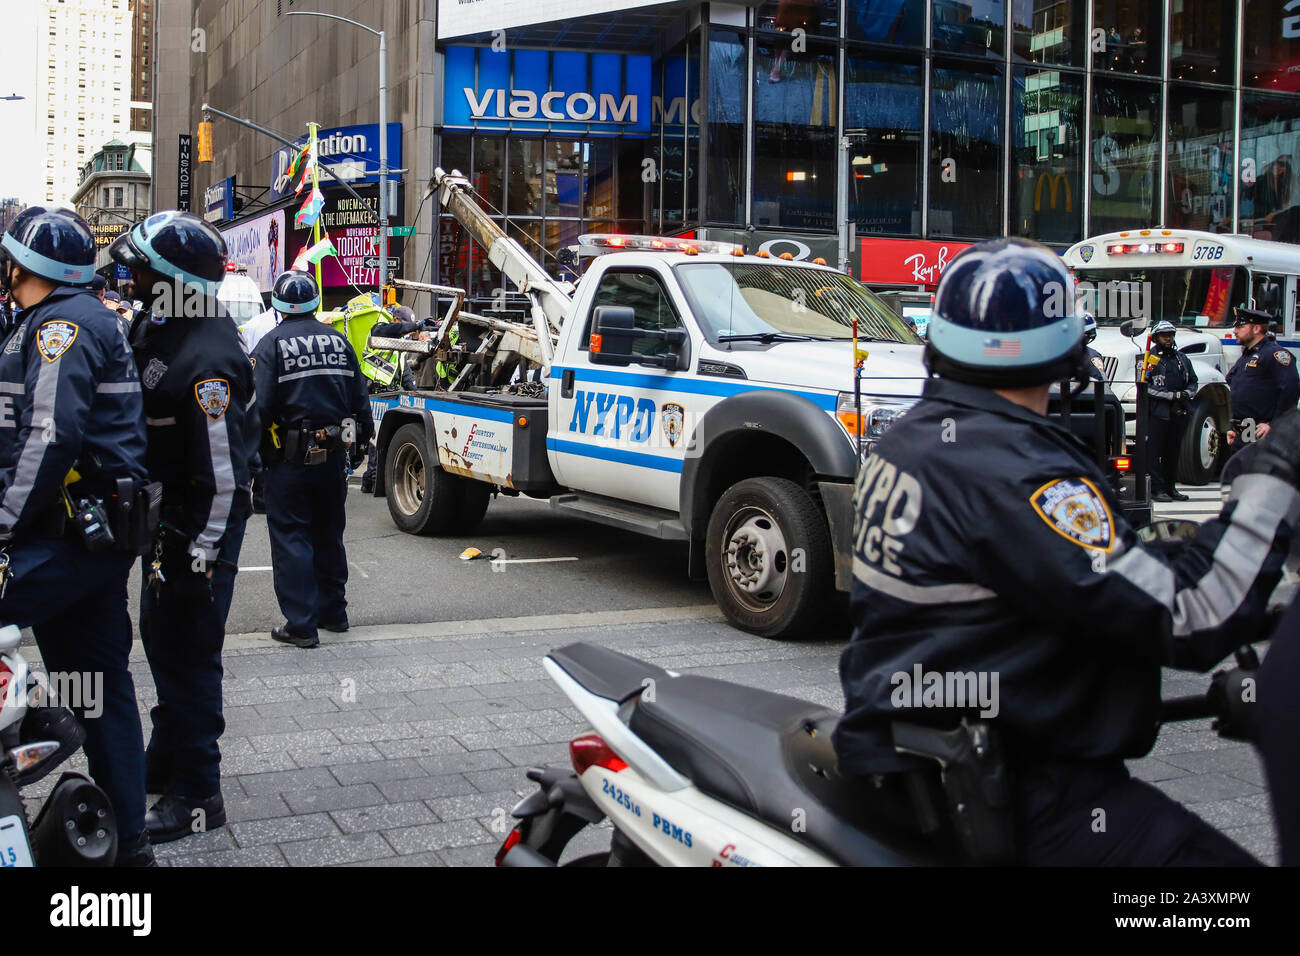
[696, 393]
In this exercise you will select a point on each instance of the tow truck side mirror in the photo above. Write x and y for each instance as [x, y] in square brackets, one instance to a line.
[1131, 327]
[613, 332]
[614, 337]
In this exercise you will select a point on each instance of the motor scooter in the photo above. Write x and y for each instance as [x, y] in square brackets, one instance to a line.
[695, 771]
[75, 826]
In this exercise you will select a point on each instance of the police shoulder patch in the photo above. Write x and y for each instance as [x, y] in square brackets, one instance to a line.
[213, 396]
[1076, 510]
[1283, 356]
[56, 337]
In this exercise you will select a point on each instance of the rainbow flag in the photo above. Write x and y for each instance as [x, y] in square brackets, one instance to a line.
[299, 158]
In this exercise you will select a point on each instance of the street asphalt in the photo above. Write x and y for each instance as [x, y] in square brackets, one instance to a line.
[404, 742]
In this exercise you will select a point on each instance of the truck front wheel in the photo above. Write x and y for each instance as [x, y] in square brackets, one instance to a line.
[769, 558]
[1202, 449]
[422, 498]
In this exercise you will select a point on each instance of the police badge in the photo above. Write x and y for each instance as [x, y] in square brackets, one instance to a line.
[673, 418]
[55, 338]
[1075, 509]
[153, 373]
[213, 396]
[1085, 253]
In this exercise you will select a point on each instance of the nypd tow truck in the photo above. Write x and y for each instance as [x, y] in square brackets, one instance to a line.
[682, 390]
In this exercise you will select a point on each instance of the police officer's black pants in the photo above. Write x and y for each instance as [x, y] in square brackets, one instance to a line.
[76, 604]
[1278, 730]
[183, 628]
[1095, 814]
[1164, 438]
[305, 517]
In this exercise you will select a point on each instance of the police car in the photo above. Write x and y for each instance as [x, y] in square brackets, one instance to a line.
[696, 393]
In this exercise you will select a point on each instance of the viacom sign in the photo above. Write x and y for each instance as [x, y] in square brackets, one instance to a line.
[601, 94]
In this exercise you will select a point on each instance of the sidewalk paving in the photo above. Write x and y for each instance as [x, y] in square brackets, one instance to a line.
[411, 752]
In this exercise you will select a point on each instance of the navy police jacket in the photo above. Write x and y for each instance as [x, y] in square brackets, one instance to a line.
[1171, 382]
[69, 395]
[1263, 382]
[198, 405]
[993, 574]
[307, 371]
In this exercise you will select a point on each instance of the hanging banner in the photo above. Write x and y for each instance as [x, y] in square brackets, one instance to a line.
[258, 246]
[352, 228]
[352, 152]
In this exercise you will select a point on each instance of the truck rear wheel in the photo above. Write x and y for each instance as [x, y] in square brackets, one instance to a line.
[768, 553]
[422, 498]
[1201, 453]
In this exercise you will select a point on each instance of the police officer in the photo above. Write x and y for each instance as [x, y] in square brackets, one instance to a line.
[72, 429]
[1096, 363]
[1263, 382]
[313, 401]
[942, 570]
[1171, 386]
[198, 392]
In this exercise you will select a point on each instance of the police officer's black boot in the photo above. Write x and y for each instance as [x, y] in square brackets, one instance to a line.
[135, 851]
[172, 818]
[285, 636]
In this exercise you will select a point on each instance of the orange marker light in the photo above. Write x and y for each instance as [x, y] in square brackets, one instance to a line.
[595, 342]
[1123, 464]
[819, 261]
[787, 255]
[763, 254]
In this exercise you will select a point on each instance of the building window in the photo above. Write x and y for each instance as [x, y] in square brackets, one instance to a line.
[1270, 150]
[1132, 35]
[1272, 45]
[725, 202]
[1047, 156]
[814, 17]
[972, 27]
[966, 137]
[1125, 154]
[796, 118]
[1200, 159]
[1203, 40]
[896, 22]
[883, 128]
[1049, 31]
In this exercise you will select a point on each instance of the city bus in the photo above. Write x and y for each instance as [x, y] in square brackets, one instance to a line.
[1195, 280]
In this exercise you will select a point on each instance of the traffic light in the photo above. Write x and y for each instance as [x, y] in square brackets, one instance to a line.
[205, 141]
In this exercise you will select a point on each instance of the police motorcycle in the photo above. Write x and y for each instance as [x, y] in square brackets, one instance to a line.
[695, 771]
[75, 826]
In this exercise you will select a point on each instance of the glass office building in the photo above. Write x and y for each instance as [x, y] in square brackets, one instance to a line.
[949, 120]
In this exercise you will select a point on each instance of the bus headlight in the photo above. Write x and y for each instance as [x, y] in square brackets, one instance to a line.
[877, 417]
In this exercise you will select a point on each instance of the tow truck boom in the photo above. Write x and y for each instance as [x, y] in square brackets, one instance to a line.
[551, 301]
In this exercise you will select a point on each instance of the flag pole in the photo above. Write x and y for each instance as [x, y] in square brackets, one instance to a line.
[315, 185]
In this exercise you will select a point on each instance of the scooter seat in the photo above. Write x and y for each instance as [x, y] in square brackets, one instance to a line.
[771, 756]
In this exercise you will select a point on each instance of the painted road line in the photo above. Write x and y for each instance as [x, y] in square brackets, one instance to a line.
[527, 560]
[267, 568]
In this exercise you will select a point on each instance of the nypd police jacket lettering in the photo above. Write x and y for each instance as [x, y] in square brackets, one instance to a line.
[307, 371]
[990, 553]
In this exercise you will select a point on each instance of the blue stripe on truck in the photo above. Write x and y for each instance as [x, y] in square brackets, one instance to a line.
[639, 459]
[669, 383]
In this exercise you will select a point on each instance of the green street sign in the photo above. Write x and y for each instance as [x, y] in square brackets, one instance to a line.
[397, 231]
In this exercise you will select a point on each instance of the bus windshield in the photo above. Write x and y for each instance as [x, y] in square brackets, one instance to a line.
[1201, 297]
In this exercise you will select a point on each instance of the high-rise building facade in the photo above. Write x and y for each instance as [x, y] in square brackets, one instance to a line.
[142, 23]
[83, 85]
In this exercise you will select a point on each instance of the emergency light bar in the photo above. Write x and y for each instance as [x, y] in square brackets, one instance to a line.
[594, 244]
[1145, 248]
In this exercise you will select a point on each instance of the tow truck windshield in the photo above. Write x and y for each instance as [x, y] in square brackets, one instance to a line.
[766, 302]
